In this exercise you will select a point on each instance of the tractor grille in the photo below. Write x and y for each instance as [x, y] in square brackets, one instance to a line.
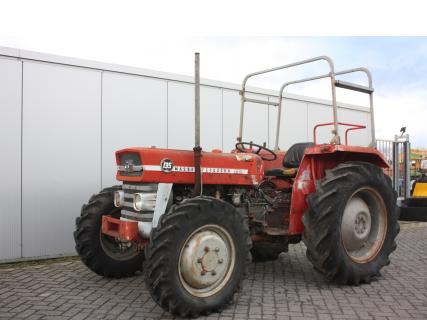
[149, 192]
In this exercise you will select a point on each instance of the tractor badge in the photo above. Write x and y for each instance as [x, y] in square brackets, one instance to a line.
[166, 165]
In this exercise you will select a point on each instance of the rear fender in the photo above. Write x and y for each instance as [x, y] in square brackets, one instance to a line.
[316, 160]
[303, 186]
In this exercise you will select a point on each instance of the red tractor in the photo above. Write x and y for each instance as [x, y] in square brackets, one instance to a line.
[194, 220]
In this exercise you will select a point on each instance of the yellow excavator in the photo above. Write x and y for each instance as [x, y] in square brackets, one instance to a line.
[415, 206]
[419, 185]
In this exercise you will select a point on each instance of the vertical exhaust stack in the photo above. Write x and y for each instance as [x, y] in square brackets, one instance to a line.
[197, 148]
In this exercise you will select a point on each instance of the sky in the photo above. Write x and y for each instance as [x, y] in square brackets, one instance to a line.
[398, 64]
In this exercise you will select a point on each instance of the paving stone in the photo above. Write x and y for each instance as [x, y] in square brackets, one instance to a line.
[288, 288]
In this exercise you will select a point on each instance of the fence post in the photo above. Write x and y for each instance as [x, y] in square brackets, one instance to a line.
[396, 165]
[407, 168]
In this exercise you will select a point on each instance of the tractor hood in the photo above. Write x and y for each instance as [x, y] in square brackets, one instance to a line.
[155, 165]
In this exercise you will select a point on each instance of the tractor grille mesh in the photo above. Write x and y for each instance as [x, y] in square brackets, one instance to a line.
[129, 189]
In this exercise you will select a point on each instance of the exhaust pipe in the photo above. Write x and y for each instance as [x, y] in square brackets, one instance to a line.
[197, 191]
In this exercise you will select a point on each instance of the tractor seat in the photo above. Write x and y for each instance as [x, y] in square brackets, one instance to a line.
[291, 161]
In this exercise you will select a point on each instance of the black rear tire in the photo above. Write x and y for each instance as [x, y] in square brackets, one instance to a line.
[323, 234]
[168, 243]
[99, 252]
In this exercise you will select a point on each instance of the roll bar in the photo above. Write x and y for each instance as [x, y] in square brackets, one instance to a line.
[369, 90]
[340, 84]
[287, 66]
[334, 83]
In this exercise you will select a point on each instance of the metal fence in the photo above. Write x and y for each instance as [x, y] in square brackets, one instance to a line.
[397, 155]
[386, 148]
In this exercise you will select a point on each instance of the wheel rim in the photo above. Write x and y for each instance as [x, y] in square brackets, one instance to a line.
[117, 250]
[364, 225]
[206, 261]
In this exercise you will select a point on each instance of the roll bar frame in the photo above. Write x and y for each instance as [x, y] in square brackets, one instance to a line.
[334, 83]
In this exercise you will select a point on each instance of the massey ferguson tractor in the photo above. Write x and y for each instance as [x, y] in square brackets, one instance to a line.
[193, 220]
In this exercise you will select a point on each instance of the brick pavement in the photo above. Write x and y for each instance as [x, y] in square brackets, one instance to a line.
[284, 289]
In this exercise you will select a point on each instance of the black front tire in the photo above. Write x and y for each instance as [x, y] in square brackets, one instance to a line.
[97, 251]
[167, 242]
[323, 223]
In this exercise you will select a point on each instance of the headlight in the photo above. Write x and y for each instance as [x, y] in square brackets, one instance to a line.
[119, 197]
[144, 201]
[138, 201]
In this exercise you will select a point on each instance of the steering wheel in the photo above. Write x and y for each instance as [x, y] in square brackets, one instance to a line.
[248, 146]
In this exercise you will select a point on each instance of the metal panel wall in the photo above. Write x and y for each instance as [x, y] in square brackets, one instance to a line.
[211, 120]
[293, 125]
[181, 116]
[10, 158]
[134, 113]
[231, 116]
[255, 121]
[255, 124]
[61, 153]
[180, 123]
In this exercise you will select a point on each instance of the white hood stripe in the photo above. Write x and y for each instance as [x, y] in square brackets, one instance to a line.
[191, 169]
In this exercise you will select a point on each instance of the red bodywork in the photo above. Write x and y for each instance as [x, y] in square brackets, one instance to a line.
[123, 230]
[248, 170]
[217, 167]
